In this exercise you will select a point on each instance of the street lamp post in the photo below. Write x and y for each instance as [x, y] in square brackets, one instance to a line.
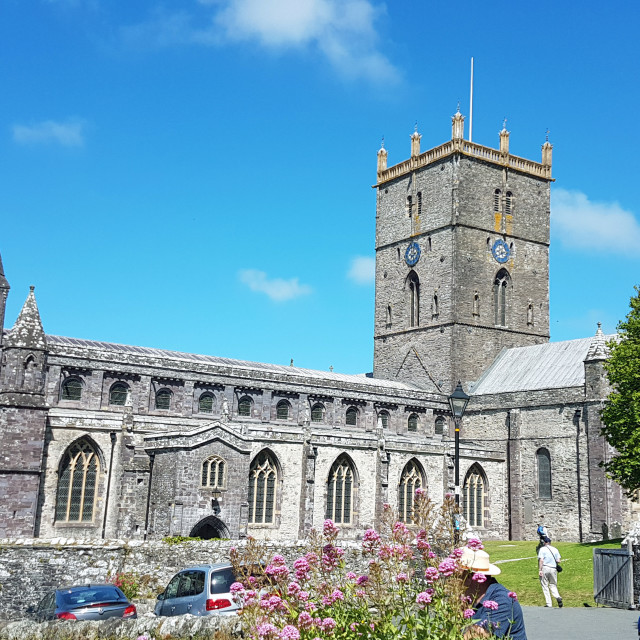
[458, 402]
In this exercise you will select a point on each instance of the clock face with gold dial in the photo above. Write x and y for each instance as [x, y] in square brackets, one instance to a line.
[412, 254]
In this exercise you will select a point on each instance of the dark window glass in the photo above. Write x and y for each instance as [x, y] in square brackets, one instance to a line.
[410, 480]
[352, 416]
[473, 498]
[544, 474]
[191, 584]
[262, 489]
[317, 413]
[339, 492]
[244, 407]
[282, 410]
[439, 425]
[205, 403]
[72, 389]
[118, 394]
[222, 580]
[213, 473]
[172, 588]
[163, 399]
[412, 423]
[384, 415]
[496, 200]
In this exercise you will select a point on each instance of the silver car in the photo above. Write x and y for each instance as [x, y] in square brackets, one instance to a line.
[200, 591]
[84, 602]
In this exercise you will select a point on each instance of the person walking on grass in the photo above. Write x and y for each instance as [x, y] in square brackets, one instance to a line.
[548, 558]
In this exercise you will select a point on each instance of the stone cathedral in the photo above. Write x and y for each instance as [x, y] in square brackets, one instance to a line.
[112, 441]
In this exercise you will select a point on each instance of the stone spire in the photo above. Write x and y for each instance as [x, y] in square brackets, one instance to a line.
[457, 125]
[3, 281]
[27, 332]
[415, 142]
[598, 347]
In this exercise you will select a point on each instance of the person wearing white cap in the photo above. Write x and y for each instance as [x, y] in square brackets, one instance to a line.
[493, 604]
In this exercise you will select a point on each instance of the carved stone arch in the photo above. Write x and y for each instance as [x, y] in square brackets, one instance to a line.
[265, 488]
[210, 528]
[475, 496]
[412, 477]
[341, 499]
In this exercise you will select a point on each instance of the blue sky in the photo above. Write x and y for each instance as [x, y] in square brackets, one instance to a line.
[196, 175]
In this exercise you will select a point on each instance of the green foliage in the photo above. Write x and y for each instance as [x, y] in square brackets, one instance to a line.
[180, 539]
[621, 415]
[127, 582]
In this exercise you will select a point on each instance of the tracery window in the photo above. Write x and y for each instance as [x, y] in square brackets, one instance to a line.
[282, 410]
[118, 394]
[412, 422]
[244, 407]
[543, 459]
[205, 403]
[77, 483]
[340, 486]
[213, 473]
[72, 389]
[410, 480]
[263, 480]
[500, 284]
[473, 497]
[413, 283]
[317, 412]
[352, 417]
[163, 399]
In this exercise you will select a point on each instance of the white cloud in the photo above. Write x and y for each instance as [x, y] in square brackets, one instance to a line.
[343, 31]
[275, 288]
[362, 270]
[599, 226]
[68, 134]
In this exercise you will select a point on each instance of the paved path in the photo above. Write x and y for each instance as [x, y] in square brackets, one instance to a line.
[574, 623]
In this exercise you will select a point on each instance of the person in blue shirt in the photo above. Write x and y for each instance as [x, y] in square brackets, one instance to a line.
[496, 610]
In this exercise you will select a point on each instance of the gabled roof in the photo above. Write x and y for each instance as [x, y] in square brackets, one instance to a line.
[554, 365]
[102, 350]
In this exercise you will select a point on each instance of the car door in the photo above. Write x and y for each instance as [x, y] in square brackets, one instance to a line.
[190, 592]
[170, 596]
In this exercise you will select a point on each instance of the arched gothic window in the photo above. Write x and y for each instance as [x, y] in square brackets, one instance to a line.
[352, 417]
[163, 399]
[263, 481]
[500, 285]
[439, 426]
[508, 203]
[413, 284]
[496, 200]
[544, 474]
[118, 394]
[340, 489]
[282, 410]
[244, 407]
[410, 480]
[473, 497]
[412, 422]
[205, 403]
[77, 483]
[317, 412]
[213, 473]
[71, 387]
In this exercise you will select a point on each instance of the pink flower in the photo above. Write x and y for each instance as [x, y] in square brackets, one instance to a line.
[360, 593]
[431, 574]
[479, 577]
[513, 595]
[362, 580]
[468, 613]
[447, 567]
[492, 605]
[423, 599]
[236, 587]
[267, 630]
[457, 553]
[351, 576]
[305, 621]
[293, 589]
[475, 544]
[431, 555]
[290, 633]
[421, 492]
[337, 595]
[302, 568]
[303, 595]
[329, 528]
[328, 625]
[402, 577]
[353, 626]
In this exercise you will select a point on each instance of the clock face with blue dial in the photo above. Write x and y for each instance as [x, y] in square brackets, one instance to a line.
[412, 254]
[500, 251]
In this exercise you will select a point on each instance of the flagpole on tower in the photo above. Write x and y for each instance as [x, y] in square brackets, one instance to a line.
[471, 104]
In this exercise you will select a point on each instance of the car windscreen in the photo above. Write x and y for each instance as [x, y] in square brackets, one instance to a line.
[221, 580]
[80, 597]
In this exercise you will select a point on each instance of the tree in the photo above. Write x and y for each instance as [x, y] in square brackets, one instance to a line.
[621, 414]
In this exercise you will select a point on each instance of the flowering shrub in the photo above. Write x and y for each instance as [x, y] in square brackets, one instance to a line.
[414, 587]
[128, 583]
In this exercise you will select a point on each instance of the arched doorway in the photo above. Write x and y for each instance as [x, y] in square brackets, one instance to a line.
[210, 528]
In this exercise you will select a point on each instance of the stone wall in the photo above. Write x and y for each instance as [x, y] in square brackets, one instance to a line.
[30, 567]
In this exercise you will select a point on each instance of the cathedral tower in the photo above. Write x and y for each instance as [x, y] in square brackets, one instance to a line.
[462, 259]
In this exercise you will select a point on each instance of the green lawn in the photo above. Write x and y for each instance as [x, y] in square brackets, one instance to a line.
[575, 583]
